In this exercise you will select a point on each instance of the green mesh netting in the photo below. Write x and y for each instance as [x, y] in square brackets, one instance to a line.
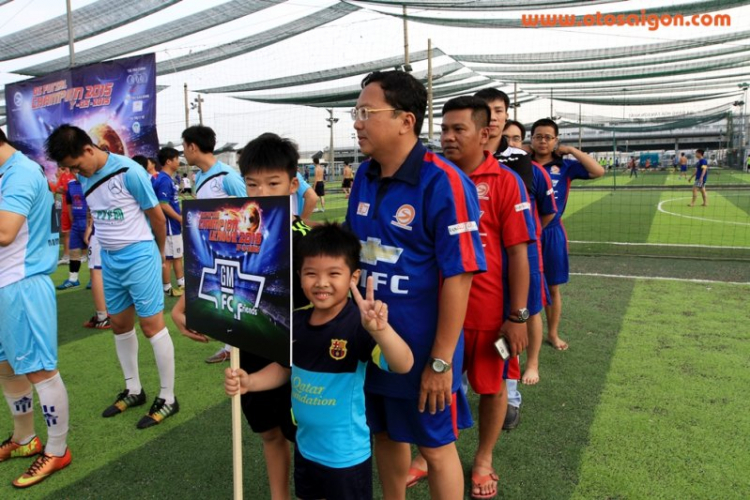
[255, 42]
[193, 23]
[88, 21]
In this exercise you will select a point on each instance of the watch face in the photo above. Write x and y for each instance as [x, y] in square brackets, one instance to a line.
[523, 314]
[438, 365]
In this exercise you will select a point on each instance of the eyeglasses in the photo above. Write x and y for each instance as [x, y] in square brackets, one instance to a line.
[513, 138]
[546, 138]
[362, 114]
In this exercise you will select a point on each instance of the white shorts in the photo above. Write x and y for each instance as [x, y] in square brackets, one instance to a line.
[95, 256]
[173, 247]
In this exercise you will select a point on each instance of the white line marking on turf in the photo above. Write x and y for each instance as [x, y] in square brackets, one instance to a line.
[705, 219]
[685, 245]
[660, 278]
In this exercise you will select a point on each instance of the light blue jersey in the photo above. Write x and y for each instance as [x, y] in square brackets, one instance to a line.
[219, 181]
[117, 195]
[24, 190]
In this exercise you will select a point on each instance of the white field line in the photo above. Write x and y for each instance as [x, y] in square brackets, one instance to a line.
[660, 278]
[705, 219]
[683, 245]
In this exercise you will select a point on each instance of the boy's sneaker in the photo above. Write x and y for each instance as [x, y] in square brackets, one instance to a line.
[68, 284]
[94, 322]
[43, 467]
[158, 412]
[11, 449]
[218, 357]
[63, 260]
[88, 285]
[124, 401]
[174, 292]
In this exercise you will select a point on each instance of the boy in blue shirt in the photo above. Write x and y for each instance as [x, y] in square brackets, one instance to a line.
[333, 341]
[78, 212]
[701, 176]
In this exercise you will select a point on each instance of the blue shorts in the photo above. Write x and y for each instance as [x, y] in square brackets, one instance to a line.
[401, 419]
[313, 480]
[538, 293]
[555, 255]
[76, 237]
[28, 329]
[683, 168]
[132, 276]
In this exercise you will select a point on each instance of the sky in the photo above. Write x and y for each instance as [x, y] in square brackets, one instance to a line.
[359, 37]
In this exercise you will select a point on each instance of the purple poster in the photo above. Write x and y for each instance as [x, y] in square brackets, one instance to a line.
[113, 101]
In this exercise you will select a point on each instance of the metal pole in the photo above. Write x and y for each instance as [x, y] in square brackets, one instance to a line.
[429, 90]
[199, 100]
[614, 152]
[580, 139]
[71, 35]
[187, 108]
[406, 40]
[331, 156]
[551, 100]
[515, 101]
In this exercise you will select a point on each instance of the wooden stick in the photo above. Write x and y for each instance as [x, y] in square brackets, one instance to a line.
[234, 364]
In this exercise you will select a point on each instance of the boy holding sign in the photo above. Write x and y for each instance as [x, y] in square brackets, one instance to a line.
[333, 341]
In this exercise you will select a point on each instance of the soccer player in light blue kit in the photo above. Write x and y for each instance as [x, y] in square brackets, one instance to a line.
[29, 242]
[215, 180]
[122, 204]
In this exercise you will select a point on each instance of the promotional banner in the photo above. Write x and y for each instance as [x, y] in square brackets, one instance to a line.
[238, 272]
[113, 101]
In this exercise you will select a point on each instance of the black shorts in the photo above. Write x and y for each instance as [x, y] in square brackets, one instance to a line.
[347, 183]
[320, 188]
[267, 409]
[313, 480]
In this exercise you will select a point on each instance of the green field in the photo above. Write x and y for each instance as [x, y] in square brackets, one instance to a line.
[649, 402]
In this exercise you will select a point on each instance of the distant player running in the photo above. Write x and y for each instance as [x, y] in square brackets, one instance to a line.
[701, 177]
[123, 203]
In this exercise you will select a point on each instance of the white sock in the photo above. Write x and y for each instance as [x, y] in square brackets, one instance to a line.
[22, 410]
[181, 281]
[227, 347]
[73, 277]
[167, 286]
[126, 345]
[101, 315]
[164, 354]
[54, 400]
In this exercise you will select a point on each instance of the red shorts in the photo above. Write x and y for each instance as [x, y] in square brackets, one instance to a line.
[65, 220]
[484, 367]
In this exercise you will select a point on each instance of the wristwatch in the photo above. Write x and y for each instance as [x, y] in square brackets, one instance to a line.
[521, 316]
[439, 366]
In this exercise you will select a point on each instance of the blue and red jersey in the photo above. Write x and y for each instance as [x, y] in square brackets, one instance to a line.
[77, 201]
[417, 228]
[702, 163]
[562, 172]
[505, 221]
[166, 192]
[543, 203]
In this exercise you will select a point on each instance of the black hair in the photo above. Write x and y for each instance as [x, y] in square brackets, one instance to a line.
[545, 122]
[702, 152]
[202, 136]
[480, 112]
[141, 160]
[269, 153]
[403, 92]
[166, 154]
[517, 124]
[66, 141]
[316, 161]
[3, 138]
[490, 94]
[330, 240]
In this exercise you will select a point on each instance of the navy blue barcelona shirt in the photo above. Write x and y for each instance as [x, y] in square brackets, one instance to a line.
[328, 397]
[416, 228]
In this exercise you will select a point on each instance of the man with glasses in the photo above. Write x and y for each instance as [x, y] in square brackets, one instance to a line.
[417, 217]
[550, 154]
